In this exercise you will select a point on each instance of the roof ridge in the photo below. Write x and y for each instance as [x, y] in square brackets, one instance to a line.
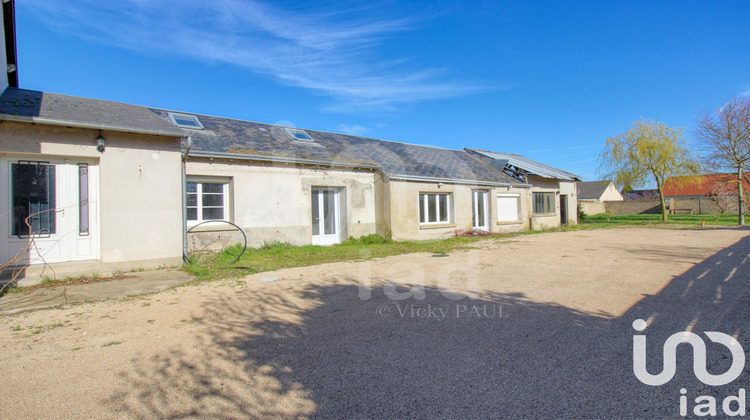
[76, 96]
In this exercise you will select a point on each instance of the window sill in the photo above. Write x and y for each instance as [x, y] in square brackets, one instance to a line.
[544, 214]
[438, 226]
[510, 222]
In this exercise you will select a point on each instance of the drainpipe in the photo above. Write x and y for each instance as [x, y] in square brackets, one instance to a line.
[188, 146]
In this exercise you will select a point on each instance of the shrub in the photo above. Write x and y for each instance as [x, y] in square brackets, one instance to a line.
[275, 245]
[581, 214]
[372, 239]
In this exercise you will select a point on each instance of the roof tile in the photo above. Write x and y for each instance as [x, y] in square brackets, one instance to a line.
[42, 106]
[225, 135]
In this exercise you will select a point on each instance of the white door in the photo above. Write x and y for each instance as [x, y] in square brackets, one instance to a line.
[325, 216]
[49, 208]
[479, 207]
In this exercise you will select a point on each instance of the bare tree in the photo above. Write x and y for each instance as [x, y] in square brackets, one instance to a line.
[725, 140]
[22, 254]
[722, 195]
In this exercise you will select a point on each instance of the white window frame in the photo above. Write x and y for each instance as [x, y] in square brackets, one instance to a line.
[551, 202]
[199, 199]
[517, 198]
[424, 212]
[193, 118]
[292, 132]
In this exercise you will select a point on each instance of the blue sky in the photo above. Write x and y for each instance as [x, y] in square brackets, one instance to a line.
[549, 80]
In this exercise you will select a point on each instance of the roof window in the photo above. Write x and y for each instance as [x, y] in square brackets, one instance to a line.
[298, 135]
[186, 121]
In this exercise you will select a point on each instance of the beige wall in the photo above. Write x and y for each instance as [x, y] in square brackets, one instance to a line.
[611, 193]
[272, 202]
[383, 205]
[140, 187]
[591, 208]
[569, 188]
[403, 201]
[559, 187]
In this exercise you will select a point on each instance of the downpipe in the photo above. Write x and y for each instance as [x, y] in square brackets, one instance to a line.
[188, 146]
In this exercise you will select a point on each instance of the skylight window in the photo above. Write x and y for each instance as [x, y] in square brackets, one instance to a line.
[299, 135]
[186, 121]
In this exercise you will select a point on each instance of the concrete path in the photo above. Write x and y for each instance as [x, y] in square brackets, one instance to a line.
[136, 283]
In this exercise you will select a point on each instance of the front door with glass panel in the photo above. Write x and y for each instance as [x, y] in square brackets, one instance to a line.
[49, 208]
[479, 213]
[325, 216]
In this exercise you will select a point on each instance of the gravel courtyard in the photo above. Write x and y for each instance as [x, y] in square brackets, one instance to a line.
[533, 326]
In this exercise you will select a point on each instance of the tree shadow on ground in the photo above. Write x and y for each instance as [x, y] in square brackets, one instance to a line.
[324, 352]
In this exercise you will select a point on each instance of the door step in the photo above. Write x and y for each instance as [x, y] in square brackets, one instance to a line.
[37, 273]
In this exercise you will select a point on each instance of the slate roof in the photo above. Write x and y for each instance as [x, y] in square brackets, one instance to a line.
[531, 166]
[701, 185]
[592, 190]
[647, 194]
[231, 137]
[225, 137]
[54, 109]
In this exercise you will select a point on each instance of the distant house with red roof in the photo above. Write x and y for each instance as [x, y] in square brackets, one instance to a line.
[702, 185]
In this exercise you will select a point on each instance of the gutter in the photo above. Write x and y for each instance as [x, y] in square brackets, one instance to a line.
[457, 181]
[239, 156]
[103, 127]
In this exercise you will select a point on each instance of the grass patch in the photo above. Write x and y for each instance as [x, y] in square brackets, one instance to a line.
[603, 220]
[112, 343]
[12, 289]
[275, 256]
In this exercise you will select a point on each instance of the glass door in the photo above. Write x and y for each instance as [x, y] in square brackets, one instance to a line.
[325, 216]
[479, 207]
[49, 212]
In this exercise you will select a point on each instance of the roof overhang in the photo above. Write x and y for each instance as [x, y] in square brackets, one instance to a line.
[74, 124]
[343, 165]
[456, 181]
[275, 159]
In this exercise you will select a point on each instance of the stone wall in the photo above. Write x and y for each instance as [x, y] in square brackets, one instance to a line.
[681, 205]
[592, 208]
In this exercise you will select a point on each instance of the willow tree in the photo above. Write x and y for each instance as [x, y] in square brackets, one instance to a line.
[648, 152]
[725, 139]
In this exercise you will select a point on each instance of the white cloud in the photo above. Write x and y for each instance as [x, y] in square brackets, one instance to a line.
[583, 161]
[353, 129]
[335, 53]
